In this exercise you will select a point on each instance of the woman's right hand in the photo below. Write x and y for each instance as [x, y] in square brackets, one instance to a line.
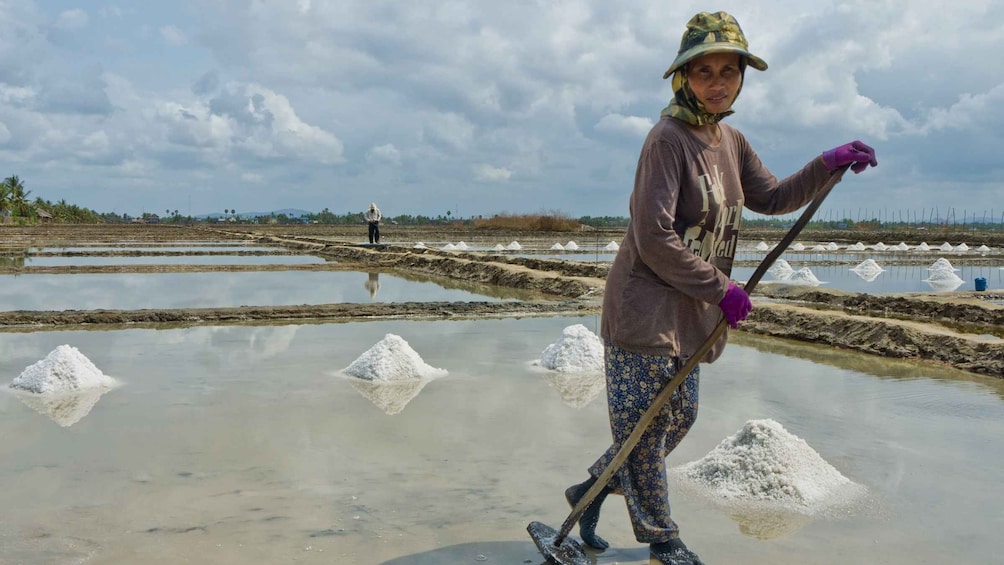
[736, 305]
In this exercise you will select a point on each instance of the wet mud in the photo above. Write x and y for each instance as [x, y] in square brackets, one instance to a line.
[961, 329]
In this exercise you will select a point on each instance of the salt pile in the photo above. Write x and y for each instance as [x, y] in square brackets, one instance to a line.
[942, 264]
[867, 266]
[962, 247]
[462, 246]
[879, 246]
[449, 247]
[945, 246]
[419, 245]
[923, 246]
[576, 363]
[856, 247]
[781, 266]
[832, 246]
[514, 246]
[983, 249]
[819, 247]
[577, 350]
[64, 369]
[613, 246]
[797, 247]
[903, 246]
[392, 360]
[765, 462]
[557, 247]
[572, 246]
[942, 276]
[498, 247]
[762, 246]
[803, 276]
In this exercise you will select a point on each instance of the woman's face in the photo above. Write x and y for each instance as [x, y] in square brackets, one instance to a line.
[715, 79]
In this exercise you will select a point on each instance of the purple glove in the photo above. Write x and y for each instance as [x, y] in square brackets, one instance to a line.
[854, 152]
[736, 305]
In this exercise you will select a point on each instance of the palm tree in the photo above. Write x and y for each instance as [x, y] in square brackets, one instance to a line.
[5, 202]
[18, 196]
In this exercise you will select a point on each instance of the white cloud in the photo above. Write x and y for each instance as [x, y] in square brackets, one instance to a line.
[630, 125]
[71, 20]
[173, 36]
[386, 153]
[488, 173]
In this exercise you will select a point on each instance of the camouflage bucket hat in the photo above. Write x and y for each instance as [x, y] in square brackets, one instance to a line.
[713, 33]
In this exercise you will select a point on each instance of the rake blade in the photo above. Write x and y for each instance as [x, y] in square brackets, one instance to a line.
[570, 552]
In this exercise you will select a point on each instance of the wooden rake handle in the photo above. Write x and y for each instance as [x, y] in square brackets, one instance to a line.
[667, 391]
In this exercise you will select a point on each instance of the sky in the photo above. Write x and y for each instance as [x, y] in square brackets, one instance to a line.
[475, 108]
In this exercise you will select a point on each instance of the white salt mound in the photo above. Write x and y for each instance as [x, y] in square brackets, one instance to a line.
[819, 247]
[803, 276]
[762, 246]
[923, 246]
[831, 246]
[856, 247]
[572, 246]
[577, 350]
[64, 369]
[391, 360]
[557, 247]
[764, 462]
[419, 245]
[462, 246]
[498, 247]
[942, 264]
[514, 246]
[798, 247]
[613, 246]
[945, 246]
[867, 266]
[781, 266]
[962, 247]
[879, 246]
[902, 246]
[983, 249]
[449, 247]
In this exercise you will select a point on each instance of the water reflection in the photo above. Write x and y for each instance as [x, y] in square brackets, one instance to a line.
[390, 397]
[577, 389]
[66, 408]
[372, 284]
[767, 524]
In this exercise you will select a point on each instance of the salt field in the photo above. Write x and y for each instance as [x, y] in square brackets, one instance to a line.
[245, 445]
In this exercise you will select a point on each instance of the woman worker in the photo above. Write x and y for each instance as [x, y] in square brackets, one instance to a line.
[669, 283]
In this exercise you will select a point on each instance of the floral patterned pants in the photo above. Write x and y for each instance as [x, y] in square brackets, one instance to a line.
[633, 382]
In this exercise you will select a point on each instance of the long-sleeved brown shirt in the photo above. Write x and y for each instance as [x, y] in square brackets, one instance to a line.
[673, 267]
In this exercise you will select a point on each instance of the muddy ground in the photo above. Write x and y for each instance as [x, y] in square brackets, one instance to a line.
[960, 329]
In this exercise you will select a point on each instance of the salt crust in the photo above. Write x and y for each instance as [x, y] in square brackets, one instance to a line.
[64, 369]
[764, 462]
[392, 360]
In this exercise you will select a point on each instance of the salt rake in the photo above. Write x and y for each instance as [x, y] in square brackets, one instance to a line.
[555, 545]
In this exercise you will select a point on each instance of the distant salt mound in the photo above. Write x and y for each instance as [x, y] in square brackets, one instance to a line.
[803, 276]
[449, 247]
[499, 247]
[962, 247]
[856, 247]
[903, 246]
[461, 246]
[867, 266]
[577, 350]
[945, 247]
[781, 268]
[923, 246]
[613, 246]
[419, 245]
[557, 247]
[514, 246]
[762, 246]
[64, 369]
[797, 247]
[879, 246]
[983, 249]
[831, 246]
[819, 247]
[764, 462]
[942, 264]
[572, 246]
[392, 360]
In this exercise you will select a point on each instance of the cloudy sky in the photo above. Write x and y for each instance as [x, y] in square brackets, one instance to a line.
[478, 107]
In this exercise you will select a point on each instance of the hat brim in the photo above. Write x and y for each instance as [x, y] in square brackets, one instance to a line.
[698, 50]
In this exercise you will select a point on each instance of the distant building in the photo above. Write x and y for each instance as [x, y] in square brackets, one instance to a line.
[43, 215]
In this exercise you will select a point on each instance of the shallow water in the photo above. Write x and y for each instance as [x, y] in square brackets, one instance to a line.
[232, 445]
[57, 261]
[894, 278]
[129, 291]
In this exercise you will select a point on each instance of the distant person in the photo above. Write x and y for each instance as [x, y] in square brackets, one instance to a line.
[670, 285]
[372, 284]
[373, 217]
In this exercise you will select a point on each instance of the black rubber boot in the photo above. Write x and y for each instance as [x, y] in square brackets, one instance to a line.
[674, 552]
[589, 518]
